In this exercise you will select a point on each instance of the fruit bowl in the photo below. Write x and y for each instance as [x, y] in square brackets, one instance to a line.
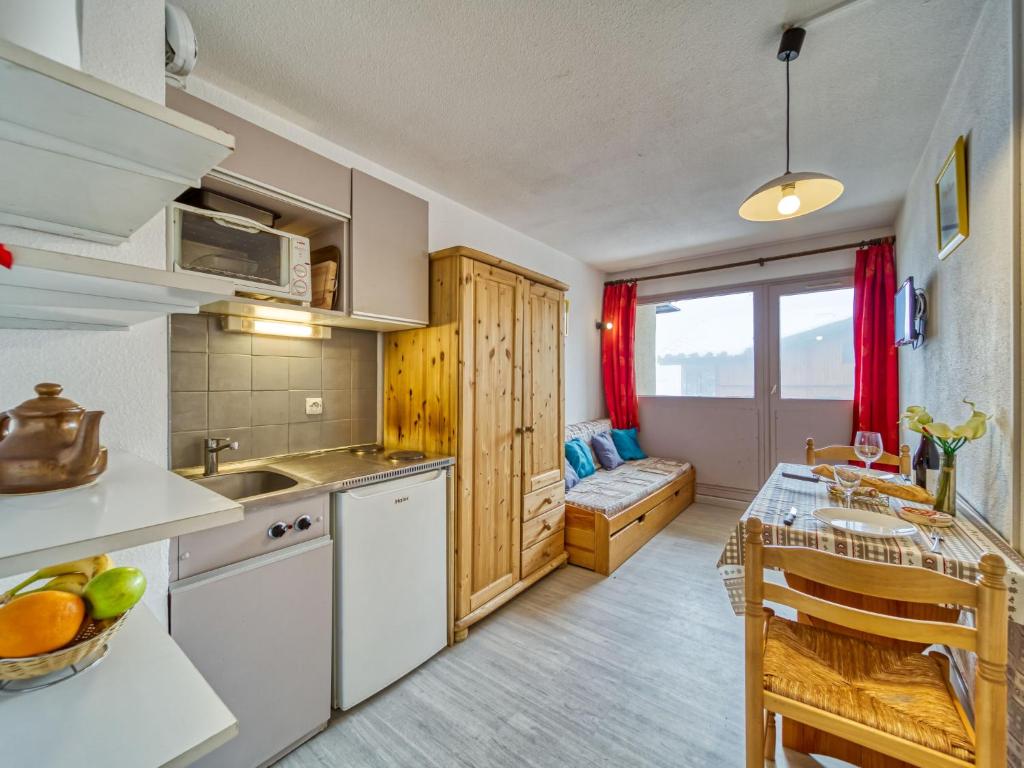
[90, 640]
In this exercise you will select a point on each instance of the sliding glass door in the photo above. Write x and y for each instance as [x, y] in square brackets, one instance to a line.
[736, 379]
[810, 366]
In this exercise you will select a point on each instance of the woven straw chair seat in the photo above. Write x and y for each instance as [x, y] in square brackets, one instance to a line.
[904, 694]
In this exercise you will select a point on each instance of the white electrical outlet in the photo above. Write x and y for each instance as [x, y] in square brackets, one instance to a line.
[314, 406]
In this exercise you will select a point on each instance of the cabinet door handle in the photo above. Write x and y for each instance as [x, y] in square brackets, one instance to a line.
[528, 429]
[519, 430]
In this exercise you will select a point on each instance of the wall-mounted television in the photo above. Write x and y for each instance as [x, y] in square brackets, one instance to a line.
[910, 310]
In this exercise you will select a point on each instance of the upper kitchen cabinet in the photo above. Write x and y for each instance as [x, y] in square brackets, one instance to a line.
[271, 161]
[390, 263]
[83, 158]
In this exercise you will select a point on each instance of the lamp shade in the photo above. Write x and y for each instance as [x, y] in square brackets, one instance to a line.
[812, 191]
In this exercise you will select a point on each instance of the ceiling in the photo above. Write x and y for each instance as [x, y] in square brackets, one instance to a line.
[622, 133]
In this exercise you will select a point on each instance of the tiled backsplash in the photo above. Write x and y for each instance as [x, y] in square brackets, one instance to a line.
[253, 389]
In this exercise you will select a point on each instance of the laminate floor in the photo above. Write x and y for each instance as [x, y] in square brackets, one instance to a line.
[642, 668]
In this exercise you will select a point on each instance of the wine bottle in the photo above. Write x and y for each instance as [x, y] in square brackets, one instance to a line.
[926, 463]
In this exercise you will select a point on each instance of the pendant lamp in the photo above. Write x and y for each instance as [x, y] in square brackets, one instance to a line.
[791, 194]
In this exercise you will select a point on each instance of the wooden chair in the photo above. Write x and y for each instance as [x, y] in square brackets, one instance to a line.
[830, 454]
[885, 700]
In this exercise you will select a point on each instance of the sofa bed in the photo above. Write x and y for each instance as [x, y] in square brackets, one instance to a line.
[612, 513]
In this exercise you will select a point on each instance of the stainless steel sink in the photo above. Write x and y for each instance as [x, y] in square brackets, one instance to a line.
[242, 485]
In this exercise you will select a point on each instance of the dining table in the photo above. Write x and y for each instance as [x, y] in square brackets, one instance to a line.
[786, 506]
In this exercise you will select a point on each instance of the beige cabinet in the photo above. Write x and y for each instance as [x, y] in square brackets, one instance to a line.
[271, 160]
[484, 383]
[390, 264]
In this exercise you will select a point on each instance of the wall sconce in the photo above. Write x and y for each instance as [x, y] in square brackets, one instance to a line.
[605, 326]
[234, 324]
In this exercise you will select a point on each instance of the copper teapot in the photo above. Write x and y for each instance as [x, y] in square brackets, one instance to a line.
[49, 443]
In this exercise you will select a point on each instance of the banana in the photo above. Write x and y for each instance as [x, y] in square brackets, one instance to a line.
[68, 582]
[87, 566]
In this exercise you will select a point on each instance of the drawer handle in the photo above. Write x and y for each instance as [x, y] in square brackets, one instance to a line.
[547, 526]
[546, 501]
[641, 519]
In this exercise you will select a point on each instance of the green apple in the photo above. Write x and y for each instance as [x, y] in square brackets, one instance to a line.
[113, 592]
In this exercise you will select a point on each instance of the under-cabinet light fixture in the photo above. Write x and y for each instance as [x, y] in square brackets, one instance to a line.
[261, 327]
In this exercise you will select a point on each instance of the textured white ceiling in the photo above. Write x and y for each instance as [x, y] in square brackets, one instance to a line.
[623, 133]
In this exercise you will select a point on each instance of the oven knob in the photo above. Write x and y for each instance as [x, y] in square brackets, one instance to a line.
[277, 530]
[298, 286]
[300, 270]
[303, 523]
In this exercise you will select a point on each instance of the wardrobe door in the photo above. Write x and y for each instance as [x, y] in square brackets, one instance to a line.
[491, 447]
[543, 401]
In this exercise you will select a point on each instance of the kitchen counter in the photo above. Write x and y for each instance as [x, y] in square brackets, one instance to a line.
[133, 502]
[325, 472]
[143, 706]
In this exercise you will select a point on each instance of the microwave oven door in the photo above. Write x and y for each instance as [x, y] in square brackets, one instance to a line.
[232, 247]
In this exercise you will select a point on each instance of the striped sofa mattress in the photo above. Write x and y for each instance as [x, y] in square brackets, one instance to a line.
[611, 491]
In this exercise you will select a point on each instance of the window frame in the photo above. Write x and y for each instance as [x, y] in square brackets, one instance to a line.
[764, 376]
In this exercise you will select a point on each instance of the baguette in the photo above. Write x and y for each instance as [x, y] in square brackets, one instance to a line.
[905, 491]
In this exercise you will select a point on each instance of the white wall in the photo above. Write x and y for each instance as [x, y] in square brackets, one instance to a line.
[969, 349]
[124, 374]
[454, 224]
[799, 267]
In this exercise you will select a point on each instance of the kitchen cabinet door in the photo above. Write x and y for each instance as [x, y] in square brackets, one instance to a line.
[543, 401]
[259, 631]
[272, 160]
[489, 520]
[390, 272]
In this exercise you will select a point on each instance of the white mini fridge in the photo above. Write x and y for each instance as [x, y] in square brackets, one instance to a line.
[391, 583]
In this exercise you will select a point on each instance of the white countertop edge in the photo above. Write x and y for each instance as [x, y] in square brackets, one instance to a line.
[40, 558]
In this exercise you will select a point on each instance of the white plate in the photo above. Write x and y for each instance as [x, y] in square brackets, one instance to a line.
[864, 523]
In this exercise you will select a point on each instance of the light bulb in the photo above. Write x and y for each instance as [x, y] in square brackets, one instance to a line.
[789, 202]
[609, 325]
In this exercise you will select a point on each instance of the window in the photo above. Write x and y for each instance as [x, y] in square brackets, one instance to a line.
[816, 345]
[701, 347]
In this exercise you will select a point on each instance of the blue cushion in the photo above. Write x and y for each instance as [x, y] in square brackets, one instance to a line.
[606, 451]
[627, 445]
[578, 454]
[571, 478]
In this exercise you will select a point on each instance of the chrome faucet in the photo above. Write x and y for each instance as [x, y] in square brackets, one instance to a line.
[212, 446]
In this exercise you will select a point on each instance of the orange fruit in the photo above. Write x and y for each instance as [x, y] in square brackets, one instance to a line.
[39, 623]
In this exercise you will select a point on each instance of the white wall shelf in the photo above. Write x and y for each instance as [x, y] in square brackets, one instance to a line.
[132, 503]
[143, 706]
[83, 158]
[45, 289]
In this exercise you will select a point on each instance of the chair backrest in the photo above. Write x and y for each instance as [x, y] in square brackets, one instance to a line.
[830, 454]
[988, 638]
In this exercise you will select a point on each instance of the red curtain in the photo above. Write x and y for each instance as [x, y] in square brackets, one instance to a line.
[876, 377]
[617, 354]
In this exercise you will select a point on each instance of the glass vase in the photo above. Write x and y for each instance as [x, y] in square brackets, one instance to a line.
[945, 494]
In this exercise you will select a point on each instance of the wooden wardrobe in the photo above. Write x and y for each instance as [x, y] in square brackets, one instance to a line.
[484, 383]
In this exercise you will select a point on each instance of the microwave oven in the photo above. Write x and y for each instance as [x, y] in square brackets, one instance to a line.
[255, 258]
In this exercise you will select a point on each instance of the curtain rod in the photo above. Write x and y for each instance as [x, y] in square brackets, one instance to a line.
[751, 262]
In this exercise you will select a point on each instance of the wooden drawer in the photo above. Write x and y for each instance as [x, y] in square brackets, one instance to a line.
[543, 500]
[543, 525]
[542, 552]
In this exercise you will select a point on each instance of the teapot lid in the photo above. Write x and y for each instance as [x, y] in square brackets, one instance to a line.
[49, 403]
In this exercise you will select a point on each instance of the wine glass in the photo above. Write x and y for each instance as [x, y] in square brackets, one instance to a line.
[868, 447]
[847, 478]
